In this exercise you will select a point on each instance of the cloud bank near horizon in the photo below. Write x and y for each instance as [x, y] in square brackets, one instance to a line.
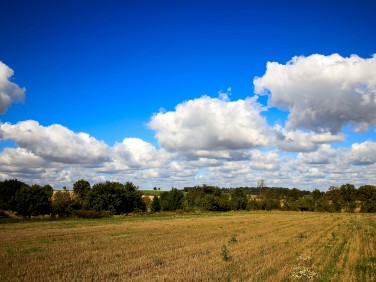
[218, 141]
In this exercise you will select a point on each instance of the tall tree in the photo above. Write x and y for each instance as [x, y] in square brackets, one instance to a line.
[8, 191]
[34, 200]
[156, 204]
[81, 188]
[172, 200]
[367, 198]
[62, 203]
[238, 199]
[348, 195]
[116, 197]
[334, 196]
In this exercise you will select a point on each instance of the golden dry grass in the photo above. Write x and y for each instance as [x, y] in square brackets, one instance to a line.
[235, 246]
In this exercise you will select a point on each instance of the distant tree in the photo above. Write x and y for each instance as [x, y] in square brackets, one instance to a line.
[23, 201]
[33, 201]
[155, 188]
[43, 198]
[8, 191]
[81, 188]
[320, 201]
[367, 198]
[133, 201]
[260, 186]
[270, 199]
[155, 204]
[291, 199]
[317, 194]
[305, 203]
[62, 204]
[334, 196]
[172, 200]
[107, 196]
[208, 198]
[116, 197]
[238, 199]
[348, 196]
[253, 204]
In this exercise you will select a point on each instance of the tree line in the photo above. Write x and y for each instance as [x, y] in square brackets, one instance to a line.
[108, 198]
[345, 198]
[105, 198]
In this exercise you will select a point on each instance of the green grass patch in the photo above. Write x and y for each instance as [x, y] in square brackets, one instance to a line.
[33, 250]
[151, 192]
[366, 269]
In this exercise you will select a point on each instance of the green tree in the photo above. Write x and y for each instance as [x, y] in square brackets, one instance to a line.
[23, 201]
[291, 199]
[172, 200]
[306, 203]
[270, 199]
[43, 199]
[156, 204]
[62, 204]
[34, 200]
[8, 191]
[208, 198]
[334, 196]
[317, 194]
[238, 199]
[133, 198]
[367, 198]
[348, 196]
[81, 188]
[116, 197]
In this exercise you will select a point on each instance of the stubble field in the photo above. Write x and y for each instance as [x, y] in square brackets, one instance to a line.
[234, 246]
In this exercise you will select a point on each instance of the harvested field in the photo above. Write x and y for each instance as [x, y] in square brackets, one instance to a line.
[233, 246]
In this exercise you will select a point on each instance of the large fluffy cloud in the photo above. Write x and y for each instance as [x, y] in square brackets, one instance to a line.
[9, 91]
[211, 124]
[323, 93]
[19, 160]
[135, 154]
[363, 153]
[56, 143]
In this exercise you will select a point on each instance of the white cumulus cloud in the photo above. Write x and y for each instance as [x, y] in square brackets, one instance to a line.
[9, 91]
[362, 154]
[301, 141]
[211, 124]
[56, 143]
[19, 160]
[323, 93]
[324, 155]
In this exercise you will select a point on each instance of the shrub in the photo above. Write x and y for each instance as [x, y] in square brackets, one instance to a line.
[225, 253]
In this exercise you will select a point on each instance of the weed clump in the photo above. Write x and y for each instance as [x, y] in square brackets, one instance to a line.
[225, 253]
[233, 239]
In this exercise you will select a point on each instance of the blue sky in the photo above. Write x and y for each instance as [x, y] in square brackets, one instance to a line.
[114, 70]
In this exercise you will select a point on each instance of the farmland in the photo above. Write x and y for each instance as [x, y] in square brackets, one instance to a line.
[232, 246]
